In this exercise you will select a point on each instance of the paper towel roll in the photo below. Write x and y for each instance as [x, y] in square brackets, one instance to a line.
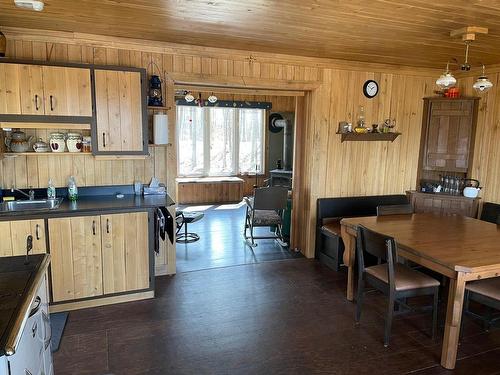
[160, 129]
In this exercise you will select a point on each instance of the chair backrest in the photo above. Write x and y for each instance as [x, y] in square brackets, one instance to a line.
[270, 198]
[377, 245]
[491, 212]
[394, 209]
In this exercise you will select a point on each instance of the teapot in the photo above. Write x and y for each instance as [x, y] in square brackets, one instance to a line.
[473, 190]
[17, 142]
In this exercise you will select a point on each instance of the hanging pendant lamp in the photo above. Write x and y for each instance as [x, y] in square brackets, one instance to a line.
[482, 83]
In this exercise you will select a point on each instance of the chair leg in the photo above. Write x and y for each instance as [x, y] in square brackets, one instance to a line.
[487, 320]
[359, 298]
[251, 234]
[435, 313]
[388, 321]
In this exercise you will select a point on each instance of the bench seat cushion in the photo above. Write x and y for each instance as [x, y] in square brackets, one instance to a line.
[266, 217]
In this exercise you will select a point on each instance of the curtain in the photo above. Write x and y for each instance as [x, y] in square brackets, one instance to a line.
[251, 140]
[213, 141]
[222, 127]
[190, 141]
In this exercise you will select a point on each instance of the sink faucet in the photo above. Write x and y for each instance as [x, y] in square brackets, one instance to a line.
[30, 195]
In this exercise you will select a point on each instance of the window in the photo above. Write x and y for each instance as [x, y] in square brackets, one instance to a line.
[213, 141]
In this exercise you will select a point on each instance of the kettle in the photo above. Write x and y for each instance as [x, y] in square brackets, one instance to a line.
[18, 142]
[471, 191]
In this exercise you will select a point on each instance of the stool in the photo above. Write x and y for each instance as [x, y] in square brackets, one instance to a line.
[183, 219]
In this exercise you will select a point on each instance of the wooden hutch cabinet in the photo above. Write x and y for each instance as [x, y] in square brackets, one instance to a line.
[446, 148]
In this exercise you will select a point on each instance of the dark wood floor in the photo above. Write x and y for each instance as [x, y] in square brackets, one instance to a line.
[222, 243]
[283, 317]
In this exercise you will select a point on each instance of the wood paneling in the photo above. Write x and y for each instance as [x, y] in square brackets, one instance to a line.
[214, 192]
[327, 167]
[411, 32]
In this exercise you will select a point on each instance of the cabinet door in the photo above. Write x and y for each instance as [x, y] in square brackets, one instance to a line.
[10, 95]
[75, 246]
[67, 91]
[21, 230]
[125, 252]
[31, 90]
[119, 111]
[449, 135]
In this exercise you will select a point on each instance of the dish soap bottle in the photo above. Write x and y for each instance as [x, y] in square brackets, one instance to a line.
[51, 190]
[72, 189]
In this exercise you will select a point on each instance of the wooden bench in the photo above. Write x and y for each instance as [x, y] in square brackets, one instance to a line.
[192, 190]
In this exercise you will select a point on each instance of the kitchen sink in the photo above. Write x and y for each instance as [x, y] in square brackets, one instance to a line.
[27, 205]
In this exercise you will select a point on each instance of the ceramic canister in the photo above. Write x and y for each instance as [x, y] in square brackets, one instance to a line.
[57, 142]
[74, 142]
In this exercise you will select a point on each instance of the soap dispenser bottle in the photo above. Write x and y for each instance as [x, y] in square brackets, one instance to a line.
[51, 190]
[72, 189]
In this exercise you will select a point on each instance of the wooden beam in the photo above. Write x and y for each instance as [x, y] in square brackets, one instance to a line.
[239, 91]
[198, 79]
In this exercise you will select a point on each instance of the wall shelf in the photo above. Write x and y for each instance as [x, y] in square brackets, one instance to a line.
[159, 108]
[15, 154]
[42, 125]
[367, 137]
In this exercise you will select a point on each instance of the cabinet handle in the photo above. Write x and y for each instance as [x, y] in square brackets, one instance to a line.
[103, 139]
[93, 227]
[36, 102]
[51, 103]
[37, 231]
[107, 226]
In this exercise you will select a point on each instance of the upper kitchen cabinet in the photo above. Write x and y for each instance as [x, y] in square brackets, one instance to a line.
[67, 91]
[448, 133]
[27, 89]
[121, 126]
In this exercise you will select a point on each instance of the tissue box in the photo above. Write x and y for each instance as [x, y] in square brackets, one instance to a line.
[157, 190]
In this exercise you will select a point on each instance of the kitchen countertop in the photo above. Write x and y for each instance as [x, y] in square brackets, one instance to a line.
[16, 283]
[95, 203]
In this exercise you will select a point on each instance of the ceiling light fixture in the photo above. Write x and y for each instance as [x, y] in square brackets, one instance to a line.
[188, 97]
[447, 80]
[212, 99]
[482, 83]
[30, 4]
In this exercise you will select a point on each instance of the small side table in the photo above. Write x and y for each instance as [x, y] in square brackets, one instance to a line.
[182, 220]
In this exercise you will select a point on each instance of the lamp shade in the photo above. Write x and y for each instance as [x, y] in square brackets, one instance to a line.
[446, 81]
[482, 84]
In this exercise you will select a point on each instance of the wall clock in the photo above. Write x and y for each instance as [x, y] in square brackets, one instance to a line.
[370, 88]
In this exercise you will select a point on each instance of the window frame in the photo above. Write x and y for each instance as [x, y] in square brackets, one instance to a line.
[236, 149]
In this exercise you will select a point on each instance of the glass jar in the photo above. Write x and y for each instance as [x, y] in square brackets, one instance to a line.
[87, 144]
[74, 142]
[57, 142]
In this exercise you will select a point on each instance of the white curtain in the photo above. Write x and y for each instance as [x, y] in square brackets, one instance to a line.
[190, 141]
[214, 141]
[251, 142]
[223, 128]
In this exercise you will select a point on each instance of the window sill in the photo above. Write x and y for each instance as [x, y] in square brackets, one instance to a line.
[209, 180]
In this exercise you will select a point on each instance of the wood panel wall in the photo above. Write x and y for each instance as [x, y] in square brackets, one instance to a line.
[327, 167]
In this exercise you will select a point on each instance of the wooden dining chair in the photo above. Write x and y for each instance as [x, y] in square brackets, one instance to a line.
[491, 212]
[487, 293]
[394, 209]
[395, 280]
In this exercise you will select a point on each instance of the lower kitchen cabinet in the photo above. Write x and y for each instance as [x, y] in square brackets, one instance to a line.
[14, 235]
[125, 252]
[99, 255]
[76, 267]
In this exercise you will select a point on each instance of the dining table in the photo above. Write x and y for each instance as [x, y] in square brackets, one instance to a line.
[461, 248]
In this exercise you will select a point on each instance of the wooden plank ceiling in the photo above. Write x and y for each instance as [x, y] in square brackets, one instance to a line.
[407, 32]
